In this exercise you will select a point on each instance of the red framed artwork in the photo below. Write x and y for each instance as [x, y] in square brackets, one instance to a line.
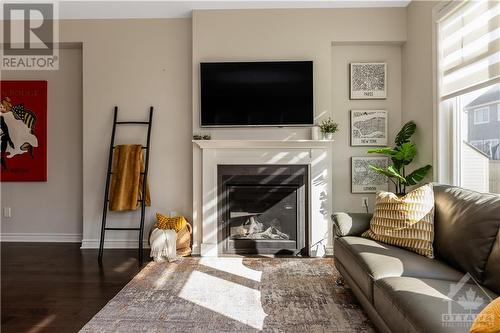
[23, 117]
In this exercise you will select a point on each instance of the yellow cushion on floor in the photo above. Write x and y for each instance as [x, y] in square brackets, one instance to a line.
[406, 221]
[176, 223]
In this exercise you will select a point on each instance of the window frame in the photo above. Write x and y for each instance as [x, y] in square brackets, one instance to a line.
[444, 166]
[446, 112]
[482, 109]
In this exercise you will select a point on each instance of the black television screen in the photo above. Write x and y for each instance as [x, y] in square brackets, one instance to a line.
[276, 93]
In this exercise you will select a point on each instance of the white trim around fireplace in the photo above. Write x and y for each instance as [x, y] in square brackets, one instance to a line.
[208, 154]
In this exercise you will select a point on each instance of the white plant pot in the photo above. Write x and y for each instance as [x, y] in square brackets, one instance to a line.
[327, 136]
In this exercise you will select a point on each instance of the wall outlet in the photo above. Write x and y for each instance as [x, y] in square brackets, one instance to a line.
[7, 212]
[364, 202]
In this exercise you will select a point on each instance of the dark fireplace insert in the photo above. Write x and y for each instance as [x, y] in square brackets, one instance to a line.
[262, 209]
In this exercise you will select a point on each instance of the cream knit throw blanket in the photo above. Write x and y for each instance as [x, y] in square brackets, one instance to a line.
[163, 245]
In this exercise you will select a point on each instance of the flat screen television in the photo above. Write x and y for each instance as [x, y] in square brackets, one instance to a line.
[278, 93]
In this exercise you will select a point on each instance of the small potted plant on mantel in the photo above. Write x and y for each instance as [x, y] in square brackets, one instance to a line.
[328, 127]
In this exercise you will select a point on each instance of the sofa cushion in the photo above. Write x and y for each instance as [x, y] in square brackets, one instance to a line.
[367, 260]
[466, 225]
[409, 304]
[492, 271]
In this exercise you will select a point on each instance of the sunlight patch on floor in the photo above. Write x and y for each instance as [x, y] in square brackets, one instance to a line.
[227, 298]
[125, 266]
[233, 266]
[42, 325]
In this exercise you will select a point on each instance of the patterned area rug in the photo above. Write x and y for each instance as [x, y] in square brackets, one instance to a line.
[234, 295]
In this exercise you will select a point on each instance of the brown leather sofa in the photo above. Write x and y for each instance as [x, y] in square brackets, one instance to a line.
[402, 291]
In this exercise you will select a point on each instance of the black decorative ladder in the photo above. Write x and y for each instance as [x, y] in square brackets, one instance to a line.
[108, 178]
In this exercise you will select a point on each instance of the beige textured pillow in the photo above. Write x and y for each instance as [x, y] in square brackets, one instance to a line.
[406, 221]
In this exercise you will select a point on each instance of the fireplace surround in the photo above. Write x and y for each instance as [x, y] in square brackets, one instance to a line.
[262, 209]
[208, 155]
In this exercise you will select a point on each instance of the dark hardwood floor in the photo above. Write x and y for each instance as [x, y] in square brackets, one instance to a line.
[56, 287]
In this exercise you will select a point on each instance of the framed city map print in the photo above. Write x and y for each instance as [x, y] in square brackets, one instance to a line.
[368, 80]
[23, 117]
[364, 179]
[368, 128]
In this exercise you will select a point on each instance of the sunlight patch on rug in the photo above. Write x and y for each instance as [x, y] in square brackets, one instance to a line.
[164, 277]
[227, 298]
[232, 266]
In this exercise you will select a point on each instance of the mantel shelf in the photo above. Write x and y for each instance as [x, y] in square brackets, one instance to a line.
[252, 144]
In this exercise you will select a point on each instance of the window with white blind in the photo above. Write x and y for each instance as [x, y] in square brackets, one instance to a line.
[468, 64]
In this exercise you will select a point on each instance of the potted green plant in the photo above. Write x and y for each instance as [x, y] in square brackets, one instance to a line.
[401, 156]
[328, 127]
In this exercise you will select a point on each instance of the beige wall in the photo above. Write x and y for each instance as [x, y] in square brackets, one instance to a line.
[135, 64]
[342, 55]
[225, 35]
[229, 35]
[418, 78]
[52, 210]
[138, 63]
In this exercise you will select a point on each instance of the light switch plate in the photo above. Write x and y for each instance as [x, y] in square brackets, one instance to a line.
[7, 212]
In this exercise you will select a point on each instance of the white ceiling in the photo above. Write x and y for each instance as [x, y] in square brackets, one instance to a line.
[176, 9]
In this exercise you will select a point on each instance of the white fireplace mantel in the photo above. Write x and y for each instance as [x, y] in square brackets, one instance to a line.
[208, 154]
[253, 144]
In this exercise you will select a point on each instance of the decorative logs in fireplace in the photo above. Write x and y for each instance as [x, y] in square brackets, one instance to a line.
[262, 209]
[253, 229]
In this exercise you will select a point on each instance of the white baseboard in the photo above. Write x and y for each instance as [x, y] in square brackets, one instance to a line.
[113, 244]
[71, 238]
[41, 237]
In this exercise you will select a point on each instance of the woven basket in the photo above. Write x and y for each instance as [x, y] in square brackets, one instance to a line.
[184, 240]
[184, 252]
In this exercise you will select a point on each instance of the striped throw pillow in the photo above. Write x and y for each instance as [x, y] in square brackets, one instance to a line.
[406, 221]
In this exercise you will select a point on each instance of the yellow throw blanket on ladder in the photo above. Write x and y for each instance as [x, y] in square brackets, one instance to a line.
[126, 180]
